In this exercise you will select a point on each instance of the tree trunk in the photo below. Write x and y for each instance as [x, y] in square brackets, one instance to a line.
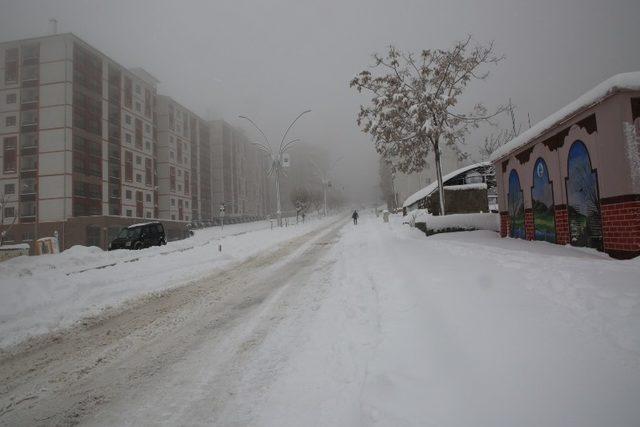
[436, 152]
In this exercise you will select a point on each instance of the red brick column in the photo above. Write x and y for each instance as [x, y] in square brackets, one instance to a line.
[504, 224]
[621, 225]
[529, 227]
[562, 224]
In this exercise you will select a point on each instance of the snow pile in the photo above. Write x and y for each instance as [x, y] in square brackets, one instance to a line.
[625, 81]
[41, 294]
[457, 222]
[426, 191]
[462, 329]
[474, 186]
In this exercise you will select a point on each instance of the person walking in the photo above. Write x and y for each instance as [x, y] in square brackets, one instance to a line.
[355, 216]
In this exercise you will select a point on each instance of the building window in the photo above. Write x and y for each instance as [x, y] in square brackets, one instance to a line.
[28, 209]
[29, 118]
[128, 194]
[138, 107]
[10, 121]
[127, 119]
[138, 178]
[127, 137]
[27, 236]
[11, 65]
[173, 217]
[186, 183]
[128, 165]
[171, 155]
[28, 162]
[173, 202]
[148, 214]
[172, 178]
[29, 94]
[179, 172]
[9, 212]
[179, 188]
[147, 128]
[28, 186]
[129, 212]
[10, 154]
[9, 189]
[172, 119]
[138, 160]
[30, 73]
[147, 171]
[29, 140]
[31, 52]
[11, 98]
[148, 197]
[138, 133]
[128, 95]
[138, 90]
[179, 152]
[147, 145]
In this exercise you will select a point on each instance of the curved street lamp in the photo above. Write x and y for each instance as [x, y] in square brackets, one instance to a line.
[276, 157]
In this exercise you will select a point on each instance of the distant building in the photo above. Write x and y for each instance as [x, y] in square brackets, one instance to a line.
[239, 171]
[88, 147]
[469, 189]
[575, 176]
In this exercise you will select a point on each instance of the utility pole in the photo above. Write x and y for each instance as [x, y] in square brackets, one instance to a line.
[324, 178]
[278, 158]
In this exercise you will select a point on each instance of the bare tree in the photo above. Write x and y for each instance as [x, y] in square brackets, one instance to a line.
[495, 141]
[3, 204]
[413, 108]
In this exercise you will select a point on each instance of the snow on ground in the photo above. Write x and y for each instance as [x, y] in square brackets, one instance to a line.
[459, 329]
[41, 294]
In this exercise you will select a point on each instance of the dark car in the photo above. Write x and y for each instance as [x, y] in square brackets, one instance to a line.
[138, 236]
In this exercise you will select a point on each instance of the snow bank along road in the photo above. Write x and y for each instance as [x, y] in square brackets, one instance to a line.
[210, 324]
[372, 324]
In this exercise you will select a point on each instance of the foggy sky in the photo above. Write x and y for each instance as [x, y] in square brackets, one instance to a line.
[271, 59]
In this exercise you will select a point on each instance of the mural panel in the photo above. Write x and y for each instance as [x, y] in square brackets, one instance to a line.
[516, 206]
[583, 199]
[542, 200]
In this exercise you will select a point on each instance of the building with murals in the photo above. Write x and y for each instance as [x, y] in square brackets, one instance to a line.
[574, 178]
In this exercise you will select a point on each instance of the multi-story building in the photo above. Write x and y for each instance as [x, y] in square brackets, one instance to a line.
[78, 139]
[239, 169]
[176, 152]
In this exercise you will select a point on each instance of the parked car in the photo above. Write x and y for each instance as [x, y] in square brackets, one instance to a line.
[139, 236]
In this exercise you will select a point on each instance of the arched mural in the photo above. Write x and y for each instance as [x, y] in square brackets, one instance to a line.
[542, 201]
[516, 206]
[583, 199]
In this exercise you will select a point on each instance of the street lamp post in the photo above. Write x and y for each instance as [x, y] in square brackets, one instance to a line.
[324, 177]
[276, 157]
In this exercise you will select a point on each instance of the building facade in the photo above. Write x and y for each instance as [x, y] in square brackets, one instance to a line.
[87, 147]
[574, 178]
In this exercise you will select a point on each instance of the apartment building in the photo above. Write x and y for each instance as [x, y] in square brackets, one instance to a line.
[177, 160]
[240, 181]
[78, 142]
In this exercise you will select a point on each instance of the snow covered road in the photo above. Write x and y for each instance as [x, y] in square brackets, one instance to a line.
[367, 325]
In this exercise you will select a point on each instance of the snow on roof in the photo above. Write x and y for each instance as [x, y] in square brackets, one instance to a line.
[424, 192]
[474, 186]
[625, 81]
[142, 224]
